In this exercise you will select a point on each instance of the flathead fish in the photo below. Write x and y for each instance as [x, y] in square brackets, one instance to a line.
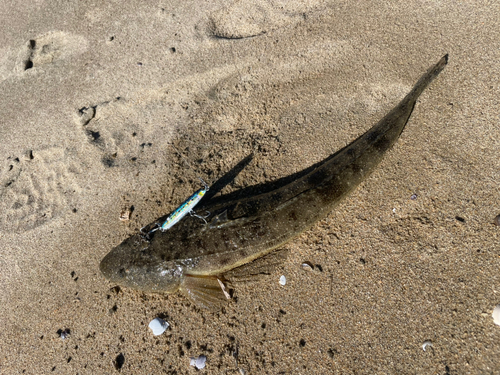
[193, 256]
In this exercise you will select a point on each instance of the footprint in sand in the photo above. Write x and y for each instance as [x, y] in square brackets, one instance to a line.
[36, 188]
[109, 126]
[249, 18]
[44, 49]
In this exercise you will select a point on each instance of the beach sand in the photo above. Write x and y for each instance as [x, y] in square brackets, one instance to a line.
[93, 96]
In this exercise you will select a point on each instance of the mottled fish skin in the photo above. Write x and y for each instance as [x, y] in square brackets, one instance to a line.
[242, 230]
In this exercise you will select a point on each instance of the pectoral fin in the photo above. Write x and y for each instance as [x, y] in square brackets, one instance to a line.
[204, 291]
[219, 219]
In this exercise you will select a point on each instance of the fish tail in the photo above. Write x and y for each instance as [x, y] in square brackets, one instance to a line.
[425, 80]
[395, 121]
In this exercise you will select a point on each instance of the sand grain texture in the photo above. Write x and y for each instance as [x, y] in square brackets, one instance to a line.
[93, 96]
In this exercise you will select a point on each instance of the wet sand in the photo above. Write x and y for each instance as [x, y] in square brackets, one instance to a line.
[94, 96]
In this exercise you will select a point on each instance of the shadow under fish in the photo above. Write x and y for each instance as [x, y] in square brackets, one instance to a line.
[195, 257]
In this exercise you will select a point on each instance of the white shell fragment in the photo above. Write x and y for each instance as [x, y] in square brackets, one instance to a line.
[282, 280]
[426, 344]
[125, 214]
[223, 287]
[307, 266]
[199, 362]
[158, 326]
[64, 334]
[496, 315]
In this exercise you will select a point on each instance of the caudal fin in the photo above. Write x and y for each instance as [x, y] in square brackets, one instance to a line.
[427, 78]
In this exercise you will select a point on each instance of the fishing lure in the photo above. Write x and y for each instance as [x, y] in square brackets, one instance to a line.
[185, 208]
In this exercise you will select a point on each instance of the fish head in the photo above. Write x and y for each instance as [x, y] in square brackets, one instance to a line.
[135, 265]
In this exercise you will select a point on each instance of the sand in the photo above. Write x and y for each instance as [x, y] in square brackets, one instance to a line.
[94, 94]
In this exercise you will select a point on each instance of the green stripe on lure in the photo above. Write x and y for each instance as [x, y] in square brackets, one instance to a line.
[193, 257]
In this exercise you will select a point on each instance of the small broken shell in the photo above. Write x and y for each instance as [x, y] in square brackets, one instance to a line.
[426, 344]
[125, 214]
[282, 280]
[158, 326]
[223, 287]
[64, 334]
[496, 315]
[307, 266]
[198, 362]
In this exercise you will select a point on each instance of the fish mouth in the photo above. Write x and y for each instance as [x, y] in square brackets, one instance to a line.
[108, 267]
[115, 264]
[113, 269]
[131, 266]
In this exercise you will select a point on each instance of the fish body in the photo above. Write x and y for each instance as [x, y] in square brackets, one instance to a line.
[193, 256]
